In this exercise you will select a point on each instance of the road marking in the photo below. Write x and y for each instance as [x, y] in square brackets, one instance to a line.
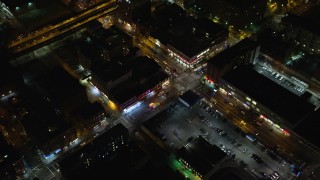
[125, 122]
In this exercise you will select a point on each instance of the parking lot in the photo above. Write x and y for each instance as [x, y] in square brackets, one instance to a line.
[184, 124]
[289, 83]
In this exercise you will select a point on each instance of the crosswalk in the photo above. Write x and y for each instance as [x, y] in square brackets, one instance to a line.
[49, 172]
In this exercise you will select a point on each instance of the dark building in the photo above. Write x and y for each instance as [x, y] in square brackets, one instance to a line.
[156, 172]
[11, 110]
[304, 30]
[238, 13]
[122, 75]
[91, 116]
[113, 155]
[275, 50]
[10, 80]
[53, 98]
[232, 173]
[150, 127]
[268, 98]
[189, 98]
[142, 13]
[186, 39]
[201, 157]
[245, 52]
[109, 155]
[105, 53]
[147, 76]
[273, 47]
[309, 129]
[11, 164]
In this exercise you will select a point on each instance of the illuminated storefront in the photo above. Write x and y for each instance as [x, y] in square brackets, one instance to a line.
[248, 103]
[183, 59]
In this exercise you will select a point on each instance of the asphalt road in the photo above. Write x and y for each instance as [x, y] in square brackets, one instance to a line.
[290, 147]
[52, 31]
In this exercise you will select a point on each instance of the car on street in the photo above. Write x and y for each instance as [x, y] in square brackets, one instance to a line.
[256, 158]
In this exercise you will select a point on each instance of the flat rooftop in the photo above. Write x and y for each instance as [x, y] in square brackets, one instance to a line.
[227, 56]
[109, 155]
[48, 123]
[60, 86]
[169, 13]
[51, 97]
[6, 70]
[188, 35]
[155, 172]
[189, 98]
[108, 41]
[239, 13]
[271, 95]
[201, 155]
[156, 120]
[146, 74]
[89, 110]
[308, 20]
[272, 45]
[232, 172]
[111, 37]
[308, 65]
[242, 3]
[309, 128]
[7, 157]
[108, 50]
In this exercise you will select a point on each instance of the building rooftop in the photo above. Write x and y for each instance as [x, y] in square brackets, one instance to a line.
[227, 56]
[7, 84]
[273, 46]
[104, 47]
[169, 13]
[49, 123]
[308, 20]
[308, 65]
[156, 172]
[230, 176]
[109, 155]
[60, 86]
[271, 95]
[112, 72]
[242, 3]
[111, 37]
[108, 51]
[309, 128]
[146, 74]
[232, 172]
[201, 155]
[312, 17]
[53, 96]
[155, 121]
[7, 157]
[188, 35]
[142, 13]
[189, 98]
[89, 110]
[238, 13]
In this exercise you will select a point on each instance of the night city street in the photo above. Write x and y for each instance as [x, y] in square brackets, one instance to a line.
[159, 89]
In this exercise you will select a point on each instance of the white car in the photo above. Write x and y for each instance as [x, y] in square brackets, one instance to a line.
[244, 150]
